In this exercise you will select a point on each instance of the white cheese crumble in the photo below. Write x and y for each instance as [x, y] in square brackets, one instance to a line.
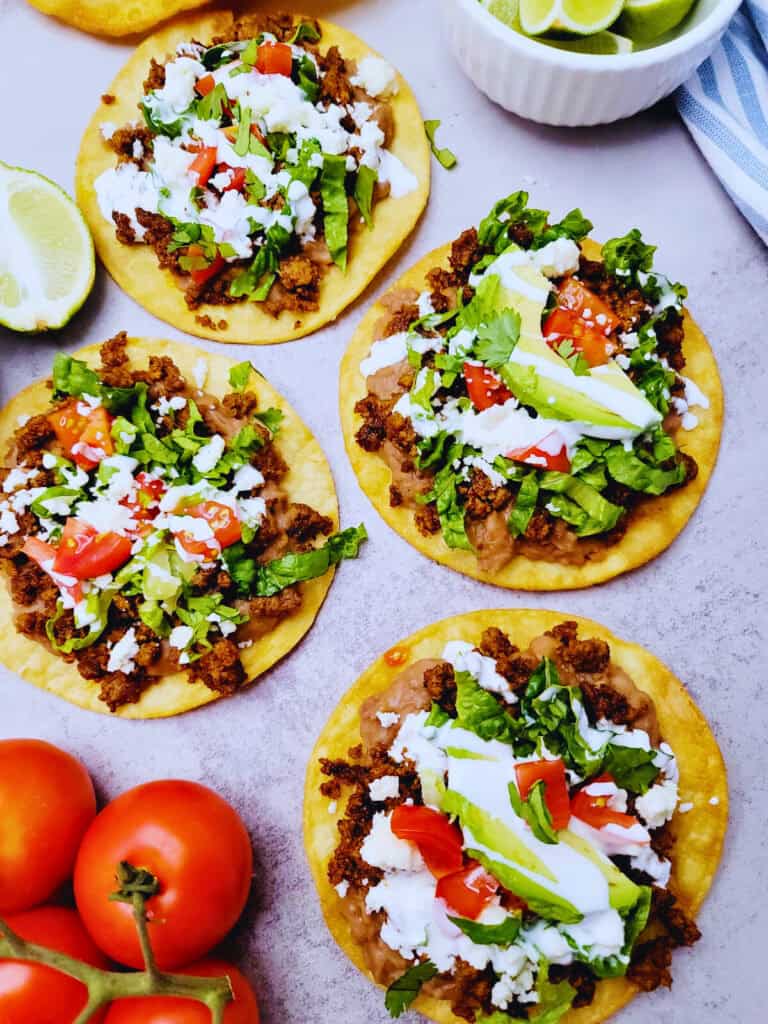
[385, 788]
[208, 456]
[658, 805]
[376, 76]
[383, 849]
[122, 654]
[387, 718]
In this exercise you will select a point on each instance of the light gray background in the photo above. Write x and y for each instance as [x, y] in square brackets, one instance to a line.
[700, 607]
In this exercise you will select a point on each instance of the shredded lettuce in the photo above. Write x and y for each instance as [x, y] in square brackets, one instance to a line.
[239, 376]
[627, 256]
[364, 183]
[534, 810]
[444, 156]
[335, 207]
[503, 934]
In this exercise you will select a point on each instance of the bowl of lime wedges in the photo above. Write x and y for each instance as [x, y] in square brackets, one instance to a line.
[582, 62]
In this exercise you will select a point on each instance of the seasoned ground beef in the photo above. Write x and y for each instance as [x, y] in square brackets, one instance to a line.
[465, 252]
[155, 78]
[301, 276]
[123, 228]
[35, 433]
[371, 435]
[305, 524]
[220, 669]
[335, 86]
[440, 683]
[427, 519]
[123, 142]
[514, 665]
[481, 497]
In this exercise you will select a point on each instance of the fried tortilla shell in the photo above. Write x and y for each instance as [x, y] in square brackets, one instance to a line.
[114, 17]
[134, 267]
[653, 525]
[309, 480]
[698, 834]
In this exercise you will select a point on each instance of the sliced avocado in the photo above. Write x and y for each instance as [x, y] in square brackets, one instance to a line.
[540, 900]
[432, 787]
[562, 394]
[622, 891]
[493, 833]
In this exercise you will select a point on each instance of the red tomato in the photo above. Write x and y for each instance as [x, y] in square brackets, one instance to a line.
[157, 1010]
[562, 325]
[275, 59]
[45, 555]
[594, 810]
[31, 993]
[84, 552]
[144, 500]
[484, 387]
[96, 437]
[205, 85]
[555, 788]
[197, 847]
[203, 164]
[74, 430]
[222, 520]
[550, 453]
[439, 841]
[237, 182]
[575, 296]
[469, 891]
[46, 804]
[205, 273]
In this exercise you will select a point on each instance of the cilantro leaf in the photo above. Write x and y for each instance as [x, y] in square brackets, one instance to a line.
[566, 350]
[497, 338]
[403, 990]
[503, 934]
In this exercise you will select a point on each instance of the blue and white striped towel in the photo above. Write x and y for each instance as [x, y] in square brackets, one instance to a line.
[725, 107]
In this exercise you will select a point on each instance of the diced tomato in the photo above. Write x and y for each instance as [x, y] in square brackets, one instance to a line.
[85, 437]
[144, 500]
[552, 773]
[576, 297]
[439, 841]
[203, 164]
[96, 439]
[564, 325]
[84, 552]
[237, 181]
[205, 85]
[45, 554]
[396, 656]
[484, 387]
[469, 891]
[223, 522]
[275, 59]
[549, 453]
[204, 274]
[594, 810]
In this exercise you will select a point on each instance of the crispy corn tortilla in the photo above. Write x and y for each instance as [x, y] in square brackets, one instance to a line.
[309, 480]
[134, 267]
[114, 17]
[698, 834]
[653, 526]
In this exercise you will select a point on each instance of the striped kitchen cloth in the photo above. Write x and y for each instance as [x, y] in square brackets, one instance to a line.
[725, 107]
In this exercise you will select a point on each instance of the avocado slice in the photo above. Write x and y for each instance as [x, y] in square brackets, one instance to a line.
[541, 379]
[622, 891]
[539, 899]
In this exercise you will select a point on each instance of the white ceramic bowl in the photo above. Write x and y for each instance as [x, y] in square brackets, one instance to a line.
[559, 87]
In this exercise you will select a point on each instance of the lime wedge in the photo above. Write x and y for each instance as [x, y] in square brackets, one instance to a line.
[582, 17]
[46, 253]
[601, 42]
[646, 20]
[505, 10]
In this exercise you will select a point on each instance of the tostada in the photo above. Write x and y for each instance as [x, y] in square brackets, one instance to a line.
[513, 817]
[247, 175]
[168, 528]
[530, 409]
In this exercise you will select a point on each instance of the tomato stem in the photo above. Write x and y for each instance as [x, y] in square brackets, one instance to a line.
[106, 986]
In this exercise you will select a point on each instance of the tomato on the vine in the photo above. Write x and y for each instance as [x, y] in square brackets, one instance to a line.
[46, 804]
[170, 1010]
[197, 847]
[31, 993]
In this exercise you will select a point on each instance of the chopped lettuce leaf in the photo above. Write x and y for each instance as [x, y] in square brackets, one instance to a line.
[73, 377]
[631, 767]
[403, 990]
[503, 934]
[525, 505]
[364, 183]
[444, 157]
[626, 256]
[293, 568]
[335, 207]
[534, 810]
[239, 376]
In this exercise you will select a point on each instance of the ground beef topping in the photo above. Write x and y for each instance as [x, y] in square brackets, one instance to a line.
[384, 777]
[442, 373]
[188, 548]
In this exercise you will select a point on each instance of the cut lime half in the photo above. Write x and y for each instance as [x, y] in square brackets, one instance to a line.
[582, 17]
[46, 253]
[505, 10]
[646, 20]
[601, 42]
